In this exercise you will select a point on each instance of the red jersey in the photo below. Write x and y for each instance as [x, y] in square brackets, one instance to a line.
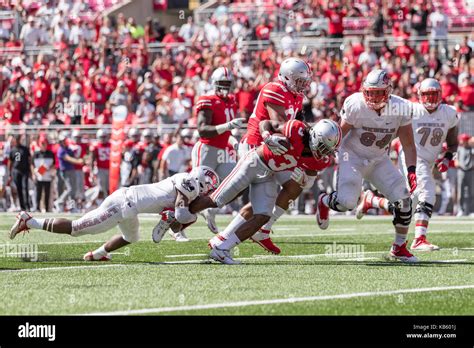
[272, 93]
[102, 155]
[314, 164]
[80, 150]
[223, 111]
[294, 130]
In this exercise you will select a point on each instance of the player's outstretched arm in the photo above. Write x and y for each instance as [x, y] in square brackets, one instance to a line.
[405, 133]
[182, 213]
[207, 130]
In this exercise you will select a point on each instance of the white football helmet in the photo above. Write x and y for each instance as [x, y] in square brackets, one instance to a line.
[101, 134]
[324, 138]
[207, 179]
[295, 74]
[222, 81]
[376, 89]
[429, 94]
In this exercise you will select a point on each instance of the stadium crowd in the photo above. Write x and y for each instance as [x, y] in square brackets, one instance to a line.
[96, 63]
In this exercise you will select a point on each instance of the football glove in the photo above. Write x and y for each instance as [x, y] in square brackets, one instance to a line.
[275, 144]
[411, 176]
[299, 176]
[442, 164]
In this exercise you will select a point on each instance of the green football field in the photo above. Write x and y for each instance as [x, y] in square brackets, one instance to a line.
[343, 270]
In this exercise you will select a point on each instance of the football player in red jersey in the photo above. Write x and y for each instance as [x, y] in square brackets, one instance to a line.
[280, 152]
[278, 101]
[216, 118]
[101, 159]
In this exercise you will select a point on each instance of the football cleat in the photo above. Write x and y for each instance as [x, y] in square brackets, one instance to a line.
[263, 239]
[365, 204]
[167, 218]
[421, 244]
[210, 216]
[322, 215]
[179, 236]
[400, 252]
[222, 256]
[20, 224]
[89, 256]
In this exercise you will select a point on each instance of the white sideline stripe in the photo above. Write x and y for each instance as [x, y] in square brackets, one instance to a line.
[61, 268]
[280, 300]
[446, 261]
[358, 259]
[185, 255]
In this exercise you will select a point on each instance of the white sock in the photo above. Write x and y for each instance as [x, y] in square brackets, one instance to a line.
[421, 224]
[400, 238]
[277, 213]
[325, 200]
[35, 223]
[99, 253]
[236, 222]
[231, 241]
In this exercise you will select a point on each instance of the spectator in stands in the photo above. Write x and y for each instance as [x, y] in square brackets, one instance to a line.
[76, 103]
[405, 51]
[120, 95]
[19, 165]
[288, 42]
[145, 111]
[439, 28]
[466, 92]
[188, 30]
[335, 14]
[418, 17]
[181, 107]
[30, 34]
[41, 92]
[263, 30]
[43, 173]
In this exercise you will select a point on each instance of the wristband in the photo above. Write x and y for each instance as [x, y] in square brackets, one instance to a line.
[222, 128]
[449, 156]
[411, 169]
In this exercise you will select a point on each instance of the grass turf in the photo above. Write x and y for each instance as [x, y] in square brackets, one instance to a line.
[175, 278]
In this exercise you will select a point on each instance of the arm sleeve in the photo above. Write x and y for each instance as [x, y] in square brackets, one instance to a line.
[184, 216]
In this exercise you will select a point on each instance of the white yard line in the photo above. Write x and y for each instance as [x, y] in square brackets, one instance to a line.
[61, 268]
[280, 300]
[185, 255]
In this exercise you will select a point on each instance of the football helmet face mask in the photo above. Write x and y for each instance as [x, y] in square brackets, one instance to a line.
[295, 74]
[324, 138]
[222, 81]
[429, 94]
[207, 179]
[376, 89]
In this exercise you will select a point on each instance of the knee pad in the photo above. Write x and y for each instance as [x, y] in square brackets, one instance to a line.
[402, 213]
[336, 205]
[423, 211]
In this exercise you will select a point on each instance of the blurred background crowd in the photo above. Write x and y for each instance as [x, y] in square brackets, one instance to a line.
[65, 65]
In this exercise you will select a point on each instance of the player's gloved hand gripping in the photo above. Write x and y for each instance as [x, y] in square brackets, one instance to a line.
[275, 143]
[443, 163]
[411, 176]
[235, 123]
[299, 176]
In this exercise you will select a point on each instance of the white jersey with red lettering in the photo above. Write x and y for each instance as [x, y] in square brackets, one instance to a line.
[122, 207]
[372, 133]
[430, 129]
[272, 93]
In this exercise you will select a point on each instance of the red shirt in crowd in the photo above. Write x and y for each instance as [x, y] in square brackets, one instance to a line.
[335, 21]
[41, 93]
[466, 94]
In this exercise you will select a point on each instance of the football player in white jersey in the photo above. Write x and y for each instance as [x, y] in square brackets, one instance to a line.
[122, 207]
[433, 124]
[370, 120]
